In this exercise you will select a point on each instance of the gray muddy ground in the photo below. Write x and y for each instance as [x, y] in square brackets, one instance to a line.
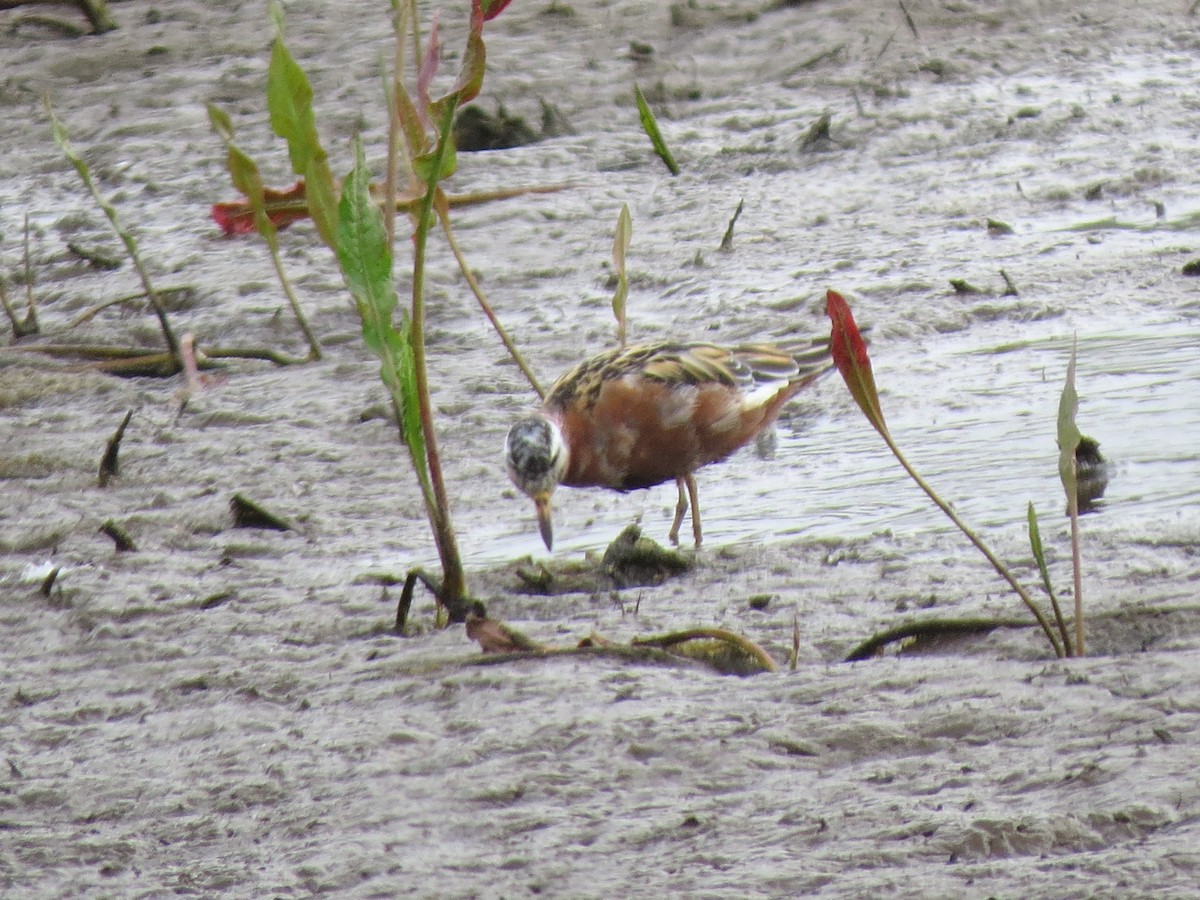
[224, 712]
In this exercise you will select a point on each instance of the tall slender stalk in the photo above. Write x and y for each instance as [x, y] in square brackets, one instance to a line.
[849, 352]
[131, 248]
[454, 586]
[1077, 569]
[978, 542]
[443, 211]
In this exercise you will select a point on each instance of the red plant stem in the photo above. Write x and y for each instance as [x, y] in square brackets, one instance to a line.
[454, 586]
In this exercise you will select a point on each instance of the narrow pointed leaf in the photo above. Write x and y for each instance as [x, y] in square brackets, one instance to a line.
[366, 261]
[219, 119]
[650, 126]
[470, 75]
[275, 12]
[244, 173]
[1068, 431]
[322, 198]
[1039, 553]
[289, 102]
[411, 124]
[429, 66]
[620, 248]
[849, 352]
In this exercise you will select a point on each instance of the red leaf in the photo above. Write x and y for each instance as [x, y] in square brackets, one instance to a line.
[849, 352]
[491, 8]
[429, 67]
[283, 208]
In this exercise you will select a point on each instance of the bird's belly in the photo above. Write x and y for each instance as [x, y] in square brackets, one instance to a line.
[634, 439]
[626, 459]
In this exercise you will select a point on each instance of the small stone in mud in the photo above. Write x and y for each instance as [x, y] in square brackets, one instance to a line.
[1192, 268]
[1091, 470]
[962, 286]
[817, 136]
[996, 228]
[632, 559]
[938, 67]
[640, 50]
[476, 129]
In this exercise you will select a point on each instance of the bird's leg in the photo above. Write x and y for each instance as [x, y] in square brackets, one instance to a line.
[694, 494]
[680, 508]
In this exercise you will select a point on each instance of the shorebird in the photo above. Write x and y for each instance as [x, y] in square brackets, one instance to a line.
[634, 417]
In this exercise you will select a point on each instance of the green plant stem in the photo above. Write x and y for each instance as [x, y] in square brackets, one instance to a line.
[444, 214]
[60, 136]
[314, 346]
[454, 587]
[31, 321]
[1039, 555]
[974, 539]
[1076, 567]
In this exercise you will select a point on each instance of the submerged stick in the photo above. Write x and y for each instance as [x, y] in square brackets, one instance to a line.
[930, 628]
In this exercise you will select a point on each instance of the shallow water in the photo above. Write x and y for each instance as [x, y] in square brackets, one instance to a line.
[225, 712]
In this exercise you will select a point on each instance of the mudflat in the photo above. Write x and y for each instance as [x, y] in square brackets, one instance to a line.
[225, 712]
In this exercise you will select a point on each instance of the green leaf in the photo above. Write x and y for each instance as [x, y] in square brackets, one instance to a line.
[275, 12]
[410, 120]
[364, 254]
[366, 261]
[1039, 553]
[650, 126]
[220, 122]
[322, 196]
[620, 248]
[63, 141]
[244, 173]
[289, 102]
[438, 164]
[1068, 431]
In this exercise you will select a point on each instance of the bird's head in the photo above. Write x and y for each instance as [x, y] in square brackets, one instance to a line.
[536, 458]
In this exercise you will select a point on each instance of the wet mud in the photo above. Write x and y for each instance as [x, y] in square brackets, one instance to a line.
[226, 712]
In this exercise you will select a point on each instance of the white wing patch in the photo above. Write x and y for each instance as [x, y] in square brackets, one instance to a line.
[761, 395]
